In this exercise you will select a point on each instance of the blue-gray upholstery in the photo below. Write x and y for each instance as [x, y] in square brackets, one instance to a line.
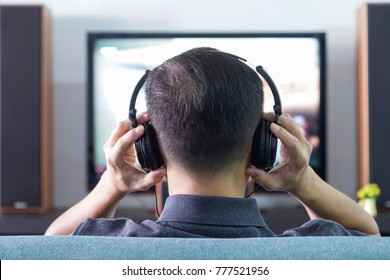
[102, 248]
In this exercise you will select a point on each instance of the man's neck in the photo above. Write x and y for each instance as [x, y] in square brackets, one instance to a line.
[228, 183]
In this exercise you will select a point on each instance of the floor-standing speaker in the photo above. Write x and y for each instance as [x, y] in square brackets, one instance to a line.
[25, 158]
[374, 97]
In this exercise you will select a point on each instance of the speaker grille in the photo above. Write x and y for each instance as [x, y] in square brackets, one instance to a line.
[20, 106]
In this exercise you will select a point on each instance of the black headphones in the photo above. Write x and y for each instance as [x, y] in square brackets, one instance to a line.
[264, 143]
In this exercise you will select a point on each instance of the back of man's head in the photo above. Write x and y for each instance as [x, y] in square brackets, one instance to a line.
[205, 106]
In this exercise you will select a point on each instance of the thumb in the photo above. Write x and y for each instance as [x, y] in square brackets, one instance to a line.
[150, 179]
[261, 177]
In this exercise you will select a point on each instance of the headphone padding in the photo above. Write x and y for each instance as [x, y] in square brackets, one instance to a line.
[148, 151]
[264, 147]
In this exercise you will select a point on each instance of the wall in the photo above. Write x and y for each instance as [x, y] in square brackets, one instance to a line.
[71, 20]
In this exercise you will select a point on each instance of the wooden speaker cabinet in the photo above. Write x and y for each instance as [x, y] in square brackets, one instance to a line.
[25, 104]
[374, 97]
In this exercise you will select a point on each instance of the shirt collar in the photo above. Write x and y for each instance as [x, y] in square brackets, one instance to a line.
[212, 210]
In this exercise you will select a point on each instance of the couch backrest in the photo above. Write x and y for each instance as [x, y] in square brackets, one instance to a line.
[277, 248]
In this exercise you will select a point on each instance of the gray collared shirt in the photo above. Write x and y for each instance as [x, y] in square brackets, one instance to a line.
[206, 216]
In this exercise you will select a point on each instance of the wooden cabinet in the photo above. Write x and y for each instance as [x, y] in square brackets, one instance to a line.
[373, 102]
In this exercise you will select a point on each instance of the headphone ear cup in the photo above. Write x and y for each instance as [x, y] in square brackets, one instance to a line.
[264, 147]
[148, 151]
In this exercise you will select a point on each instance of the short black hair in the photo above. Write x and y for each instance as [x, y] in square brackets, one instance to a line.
[204, 105]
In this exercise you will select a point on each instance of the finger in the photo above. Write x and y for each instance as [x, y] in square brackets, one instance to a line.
[287, 122]
[289, 140]
[143, 118]
[284, 135]
[261, 177]
[122, 128]
[124, 143]
[298, 150]
[150, 179]
[268, 116]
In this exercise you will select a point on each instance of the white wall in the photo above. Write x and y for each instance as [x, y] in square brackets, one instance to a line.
[71, 20]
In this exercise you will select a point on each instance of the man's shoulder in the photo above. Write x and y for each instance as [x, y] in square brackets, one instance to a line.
[322, 227]
[116, 227]
[125, 227]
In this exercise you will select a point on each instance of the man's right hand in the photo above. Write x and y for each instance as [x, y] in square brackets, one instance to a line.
[295, 153]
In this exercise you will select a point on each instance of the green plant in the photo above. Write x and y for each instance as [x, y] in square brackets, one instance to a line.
[369, 191]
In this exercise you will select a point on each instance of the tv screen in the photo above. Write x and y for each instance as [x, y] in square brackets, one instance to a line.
[116, 61]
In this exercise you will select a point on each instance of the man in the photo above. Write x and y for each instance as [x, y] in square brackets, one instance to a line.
[205, 106]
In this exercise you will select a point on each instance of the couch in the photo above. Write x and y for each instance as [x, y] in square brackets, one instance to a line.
[107, 248]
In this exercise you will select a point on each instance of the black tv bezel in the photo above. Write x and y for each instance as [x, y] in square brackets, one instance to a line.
[92, 37]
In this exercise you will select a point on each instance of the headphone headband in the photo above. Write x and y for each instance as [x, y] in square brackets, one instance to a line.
[132, 110]
[274, 90]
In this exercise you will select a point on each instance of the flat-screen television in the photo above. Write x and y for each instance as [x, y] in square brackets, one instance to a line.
[116, 61]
